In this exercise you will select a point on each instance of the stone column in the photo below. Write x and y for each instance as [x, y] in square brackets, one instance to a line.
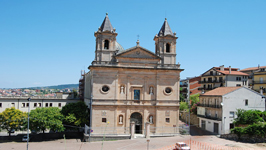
[147, 134]
[132, 125]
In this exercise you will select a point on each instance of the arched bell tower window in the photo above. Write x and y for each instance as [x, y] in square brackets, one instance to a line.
[106, 44]
[167, 48]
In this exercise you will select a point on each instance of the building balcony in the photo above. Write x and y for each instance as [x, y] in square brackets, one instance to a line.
[209, 105]
[183, 85]
[259, 82]
[212, 81]
[210, 117]
[206, 88]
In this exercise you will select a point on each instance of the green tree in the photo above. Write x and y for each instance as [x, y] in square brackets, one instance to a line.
[181, 96]
[239, 131]
[194, 99]
[183, 106]
[248, 117]
[75, 93]
[76, 114]
[12, 119]
[46, 118]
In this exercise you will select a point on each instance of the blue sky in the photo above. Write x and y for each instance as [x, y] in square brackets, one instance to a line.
[49, 42]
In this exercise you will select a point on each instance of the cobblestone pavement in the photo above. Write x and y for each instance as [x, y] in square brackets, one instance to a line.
[135, 144]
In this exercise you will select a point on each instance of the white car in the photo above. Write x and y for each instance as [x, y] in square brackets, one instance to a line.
[181, 146]
[24, 138]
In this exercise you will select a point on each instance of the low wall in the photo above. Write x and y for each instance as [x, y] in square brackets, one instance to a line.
[244, 138]
[184, 116]
[43, 136]
[94, 138]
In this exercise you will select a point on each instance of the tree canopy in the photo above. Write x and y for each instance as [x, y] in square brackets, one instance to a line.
[76, 114]
[248, 117]
[46, 118]
[12, 119]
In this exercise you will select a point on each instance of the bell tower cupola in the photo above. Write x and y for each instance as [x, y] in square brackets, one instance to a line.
[165, 44]
[105, 42]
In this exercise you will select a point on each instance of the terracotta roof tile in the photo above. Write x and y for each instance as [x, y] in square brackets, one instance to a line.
[252, 68]
[233, 73]
[221, 91]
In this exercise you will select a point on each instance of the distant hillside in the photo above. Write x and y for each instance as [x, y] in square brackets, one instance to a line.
[63, 86]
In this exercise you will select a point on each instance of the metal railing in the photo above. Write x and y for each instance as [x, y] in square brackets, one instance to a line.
[259, 82]
[107, 130]
[212, 81]
[162, 131]
[206, 88]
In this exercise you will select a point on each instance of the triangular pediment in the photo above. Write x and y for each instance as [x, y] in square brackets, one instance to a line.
[138, 52]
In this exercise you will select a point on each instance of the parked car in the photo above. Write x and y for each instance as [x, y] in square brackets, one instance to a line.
[24, 138]
[181, 146]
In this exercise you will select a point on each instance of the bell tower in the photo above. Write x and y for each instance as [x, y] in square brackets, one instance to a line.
[105, 42]
[165, 45]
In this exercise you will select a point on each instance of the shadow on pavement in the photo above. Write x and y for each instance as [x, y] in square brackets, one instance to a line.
[195, 131]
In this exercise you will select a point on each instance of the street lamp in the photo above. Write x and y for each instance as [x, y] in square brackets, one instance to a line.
[29, 99]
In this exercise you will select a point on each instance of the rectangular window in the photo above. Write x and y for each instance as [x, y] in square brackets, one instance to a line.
[59, 104]
[35, 104]
[136, 94]
[232, 114]
[238, 84]
[220, 79]
[246, 102]
[28, 104]
[104, 120]
[238, 78]
[40, 105]
[211, 73]
[167, 120]
[231, 126]
[0, 105]
[46, 104]
[23, 105]
[51, 104]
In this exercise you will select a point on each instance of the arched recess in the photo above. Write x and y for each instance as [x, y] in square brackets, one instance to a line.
[168, 48]
[106, 44]
[137, 118]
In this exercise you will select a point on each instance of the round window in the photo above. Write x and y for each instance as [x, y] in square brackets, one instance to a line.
[168, 90]
[105, 88]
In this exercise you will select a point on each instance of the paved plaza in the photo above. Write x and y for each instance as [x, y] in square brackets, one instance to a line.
[135, 144]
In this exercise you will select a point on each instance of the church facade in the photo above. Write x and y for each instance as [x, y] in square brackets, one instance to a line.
[133, 85]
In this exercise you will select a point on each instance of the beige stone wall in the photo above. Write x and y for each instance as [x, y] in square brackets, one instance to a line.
[112, 114]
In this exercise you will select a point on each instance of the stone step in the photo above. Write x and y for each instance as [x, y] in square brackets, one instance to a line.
[138, 136]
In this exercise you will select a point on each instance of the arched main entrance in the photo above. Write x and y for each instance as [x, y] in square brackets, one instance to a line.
[137, 118]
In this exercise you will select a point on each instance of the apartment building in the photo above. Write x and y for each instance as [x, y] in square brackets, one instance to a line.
[193, 86]
[257, 78]
[217, 108]
[222, 77]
